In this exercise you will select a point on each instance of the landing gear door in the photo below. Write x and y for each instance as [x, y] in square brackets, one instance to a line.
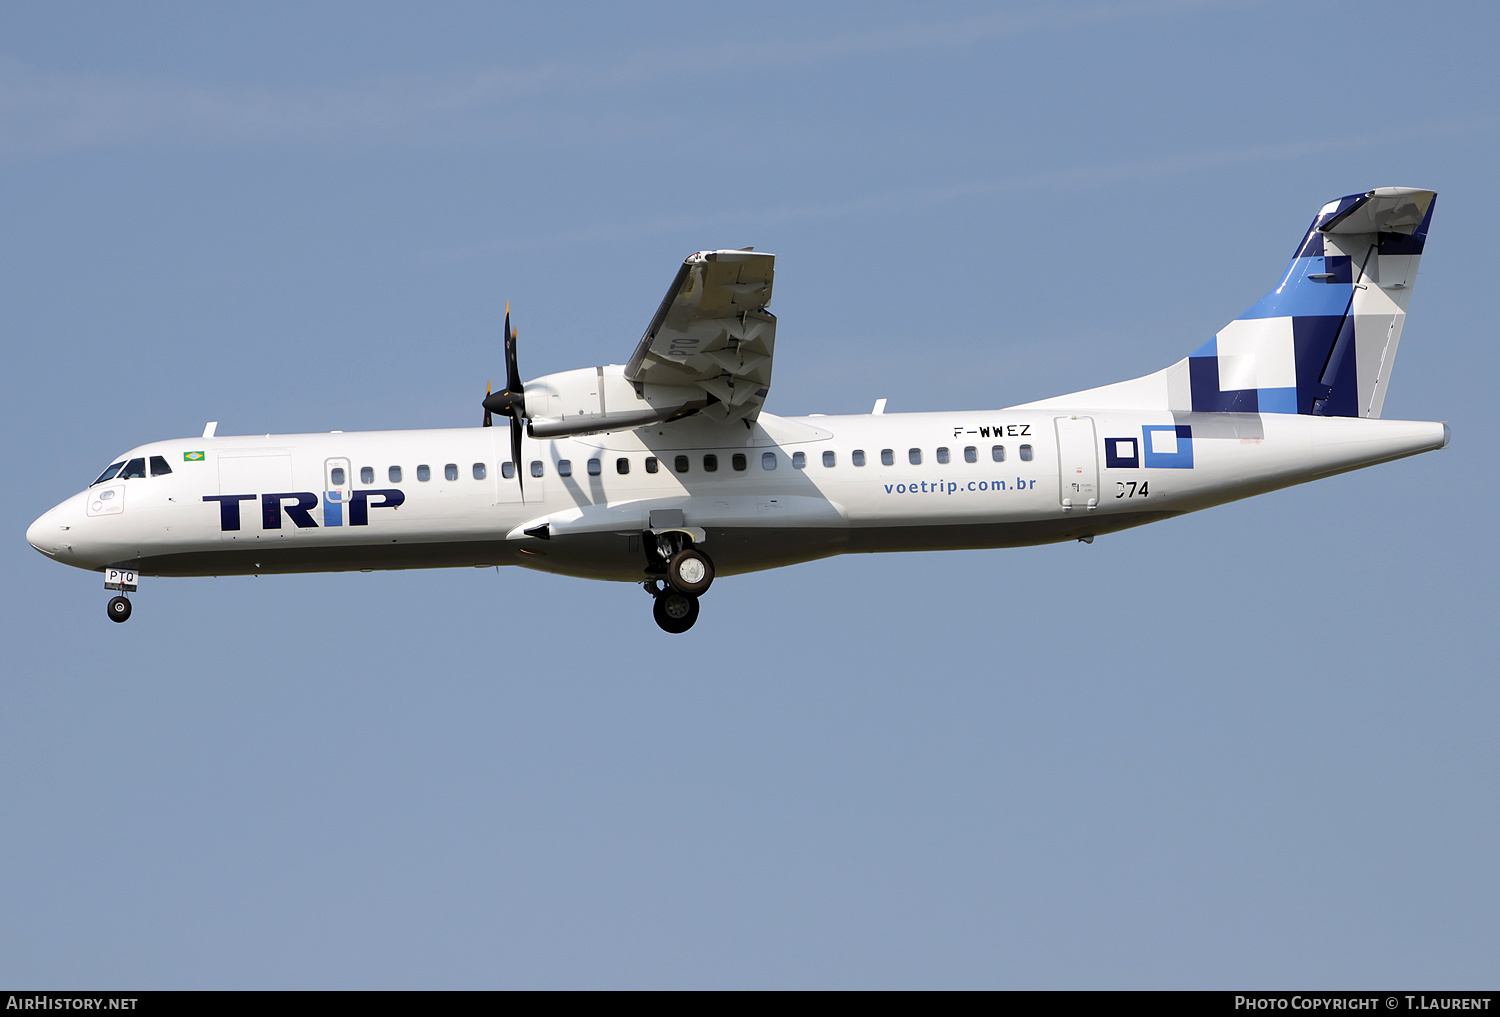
[1078, 463]
[338, 484]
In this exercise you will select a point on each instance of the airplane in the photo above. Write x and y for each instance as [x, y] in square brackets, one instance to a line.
[667, 472]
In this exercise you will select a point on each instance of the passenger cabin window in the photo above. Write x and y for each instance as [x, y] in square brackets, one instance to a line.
[424, 473]
[739, 462]
[565, 467]
[479, 471]
[829, 459]
[799, 460]
[159, 467]
[596, 467]
[336, 476]
[942, 455]
[622, 466]
[710, 463]
[887, 457]
[680, 464]
[857, 457]
[768, 460]
[133, 469]
[914, 456]
[508, 470]
[536, 467]
[971, 454]
[1025, 453]
[367, 474]
[109, 474]
[997, 453]
[395, 474]
[450, 472]
[652, 465]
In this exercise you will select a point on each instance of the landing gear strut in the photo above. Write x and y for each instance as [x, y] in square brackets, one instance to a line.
[679, 574]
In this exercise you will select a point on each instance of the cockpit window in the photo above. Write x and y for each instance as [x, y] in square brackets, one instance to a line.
[159, 467]
[133, 469]
[109, 474]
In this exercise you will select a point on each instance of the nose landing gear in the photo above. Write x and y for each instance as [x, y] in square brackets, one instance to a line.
[121, 581]
[118, 609]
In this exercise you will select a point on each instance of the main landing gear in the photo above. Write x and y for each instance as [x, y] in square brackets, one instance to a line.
[674, 612]
[680, 574]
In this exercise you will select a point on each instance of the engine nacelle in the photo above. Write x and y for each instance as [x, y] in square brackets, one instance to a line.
[596, 399]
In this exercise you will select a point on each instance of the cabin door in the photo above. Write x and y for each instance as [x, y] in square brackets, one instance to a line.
[1078, 463]
[246, 476]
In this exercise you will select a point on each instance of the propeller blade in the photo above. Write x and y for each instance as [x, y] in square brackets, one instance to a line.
[510, 401]
[515, 450]
[513, 382]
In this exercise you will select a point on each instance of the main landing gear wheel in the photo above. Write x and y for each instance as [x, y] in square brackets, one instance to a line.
[118, 608]
[690, 572]
[675, 612]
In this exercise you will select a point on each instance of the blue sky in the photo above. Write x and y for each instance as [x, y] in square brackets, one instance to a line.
[1250, 747]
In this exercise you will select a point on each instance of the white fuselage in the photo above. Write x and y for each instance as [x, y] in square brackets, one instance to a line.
[275, 503]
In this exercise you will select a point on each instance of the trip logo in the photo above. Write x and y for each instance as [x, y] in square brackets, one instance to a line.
[298, 505]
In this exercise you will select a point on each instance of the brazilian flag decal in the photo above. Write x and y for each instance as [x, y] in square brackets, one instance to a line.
[192, 457]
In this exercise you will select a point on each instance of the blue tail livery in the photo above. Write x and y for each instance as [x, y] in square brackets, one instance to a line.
[1323, 341]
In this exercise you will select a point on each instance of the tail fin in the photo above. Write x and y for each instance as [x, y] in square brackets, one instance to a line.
[1323, 342]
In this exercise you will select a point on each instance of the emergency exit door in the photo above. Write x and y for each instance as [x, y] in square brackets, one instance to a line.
[338, 484]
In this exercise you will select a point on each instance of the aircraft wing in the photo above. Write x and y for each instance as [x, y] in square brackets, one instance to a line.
[713, 331]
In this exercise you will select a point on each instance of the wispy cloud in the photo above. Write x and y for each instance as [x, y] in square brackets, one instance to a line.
[45, 113]
[1063, 179]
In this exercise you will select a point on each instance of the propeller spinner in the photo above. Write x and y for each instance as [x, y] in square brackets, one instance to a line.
[510, 401]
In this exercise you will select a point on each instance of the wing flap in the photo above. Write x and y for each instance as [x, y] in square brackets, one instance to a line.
[713, 331]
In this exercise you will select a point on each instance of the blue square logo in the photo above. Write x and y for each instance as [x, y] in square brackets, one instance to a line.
[1122, 453]
[1167, 446]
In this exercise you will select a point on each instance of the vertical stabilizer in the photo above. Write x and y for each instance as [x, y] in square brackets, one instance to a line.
[1323, 341]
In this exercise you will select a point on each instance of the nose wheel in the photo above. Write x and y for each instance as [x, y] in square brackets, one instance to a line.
[118, 609]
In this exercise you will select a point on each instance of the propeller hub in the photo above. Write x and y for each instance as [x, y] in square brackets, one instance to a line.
[508, 403]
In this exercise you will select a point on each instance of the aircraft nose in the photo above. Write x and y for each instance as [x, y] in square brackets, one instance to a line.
[49, 533]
